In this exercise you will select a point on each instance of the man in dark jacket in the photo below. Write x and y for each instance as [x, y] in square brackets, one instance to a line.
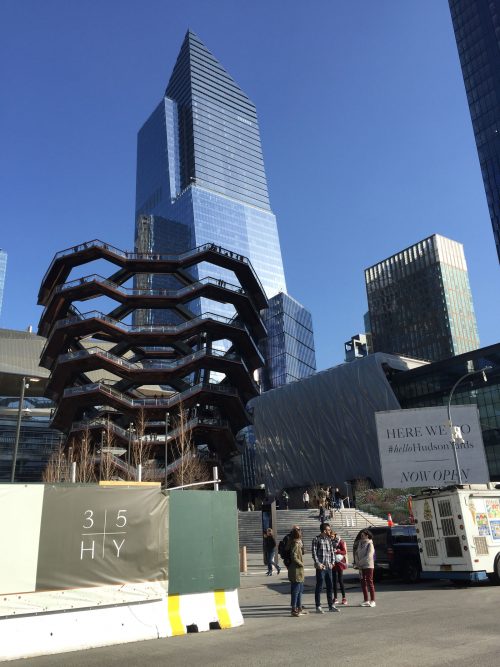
[270, 551]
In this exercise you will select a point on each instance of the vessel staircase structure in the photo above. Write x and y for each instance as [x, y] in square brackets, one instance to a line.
[157, 382]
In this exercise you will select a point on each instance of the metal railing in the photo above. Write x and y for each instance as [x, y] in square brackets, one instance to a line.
[153, 257]
[102, 386]
[102, 423]
[133, 291]
[147, 365]
[150, 328]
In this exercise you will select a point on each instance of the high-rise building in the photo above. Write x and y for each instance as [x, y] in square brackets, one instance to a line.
[3, 269]
[20, 358]
[477, 31]
[199, 162]
[420, 303]
[201, 179]
[289, 347]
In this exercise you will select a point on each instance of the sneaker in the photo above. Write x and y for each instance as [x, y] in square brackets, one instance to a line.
[302, 611]
[344, 601]
[373, 603]
[333, 609]
[279, 569]
[335, 602]
[365, 604]
[295, 613]
[319, 610]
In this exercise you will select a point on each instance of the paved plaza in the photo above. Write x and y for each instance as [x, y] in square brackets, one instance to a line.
[432, 623]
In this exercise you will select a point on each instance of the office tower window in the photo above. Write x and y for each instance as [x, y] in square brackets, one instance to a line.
[3, 269]
[420, 303]
[477, 32]
[201, 179]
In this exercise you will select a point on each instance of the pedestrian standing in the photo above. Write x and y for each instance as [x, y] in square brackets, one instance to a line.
[339, 500]
[285, 498]
[322, 553]
[365, 552]
[339, 565]
[296, 573]
[270, 550]
[305, 499]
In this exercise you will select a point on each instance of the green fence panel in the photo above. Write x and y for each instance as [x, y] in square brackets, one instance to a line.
[203, 545]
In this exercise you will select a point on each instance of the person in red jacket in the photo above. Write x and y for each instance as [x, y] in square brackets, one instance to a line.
[340, 550]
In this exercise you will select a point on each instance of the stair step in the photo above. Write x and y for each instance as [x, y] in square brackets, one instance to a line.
[347, 523]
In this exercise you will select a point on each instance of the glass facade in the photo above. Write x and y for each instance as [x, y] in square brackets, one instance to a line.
[37, 441]
[200, 166]
[289, 347]
[153, 232]
[322, 428]
[430, 385]
[199, 162]
[477, 31]
[3, 269]
[420, 303]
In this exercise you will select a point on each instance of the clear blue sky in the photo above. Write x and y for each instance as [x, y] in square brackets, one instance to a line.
[366, 133]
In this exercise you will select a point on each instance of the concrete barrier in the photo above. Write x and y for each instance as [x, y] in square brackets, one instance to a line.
[86, 566]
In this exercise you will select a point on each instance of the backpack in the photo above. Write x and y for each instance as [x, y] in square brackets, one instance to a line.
[284, 550]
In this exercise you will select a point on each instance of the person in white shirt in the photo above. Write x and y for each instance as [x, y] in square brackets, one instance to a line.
[305, 499]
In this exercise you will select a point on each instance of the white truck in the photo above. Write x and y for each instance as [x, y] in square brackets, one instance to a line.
[458, 532]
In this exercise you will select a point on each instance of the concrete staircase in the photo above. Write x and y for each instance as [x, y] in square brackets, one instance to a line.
[347, 523]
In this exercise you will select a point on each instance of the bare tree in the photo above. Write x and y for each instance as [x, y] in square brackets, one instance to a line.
[108, 466]
[57, 467]
[139, 441]
[142, 446]
[152, 472]
[83, 455]
[191, 468]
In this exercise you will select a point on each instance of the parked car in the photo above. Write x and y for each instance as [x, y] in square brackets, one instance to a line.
[396, 552]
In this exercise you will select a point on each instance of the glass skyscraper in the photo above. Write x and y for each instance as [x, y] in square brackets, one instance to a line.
[477, 31]
[420, 303]
[199, 162]
[3, 269]
[201, 178]
[289, 347]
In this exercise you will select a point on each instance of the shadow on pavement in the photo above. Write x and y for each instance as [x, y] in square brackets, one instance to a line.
[264, 610]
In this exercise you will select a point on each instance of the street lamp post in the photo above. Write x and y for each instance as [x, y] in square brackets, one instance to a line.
[167, 420]
[24, 386]
[450, 423]
[100, 455]
[130, 430]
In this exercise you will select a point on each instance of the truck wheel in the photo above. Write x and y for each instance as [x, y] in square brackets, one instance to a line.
[495, 575]
[411, 572]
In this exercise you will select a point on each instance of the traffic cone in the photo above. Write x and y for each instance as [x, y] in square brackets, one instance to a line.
[390, 522]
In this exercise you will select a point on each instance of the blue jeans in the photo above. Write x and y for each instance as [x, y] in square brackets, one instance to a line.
[323, 576]
[297, 590]
[271, 561]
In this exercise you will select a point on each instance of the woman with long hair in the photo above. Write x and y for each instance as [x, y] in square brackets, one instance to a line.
[365, 553]
[339, 565]
[296, 573]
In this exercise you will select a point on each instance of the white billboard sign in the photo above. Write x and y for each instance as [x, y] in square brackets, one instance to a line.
[416, 448]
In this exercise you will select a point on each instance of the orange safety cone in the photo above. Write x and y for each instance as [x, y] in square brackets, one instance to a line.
[390, 522]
